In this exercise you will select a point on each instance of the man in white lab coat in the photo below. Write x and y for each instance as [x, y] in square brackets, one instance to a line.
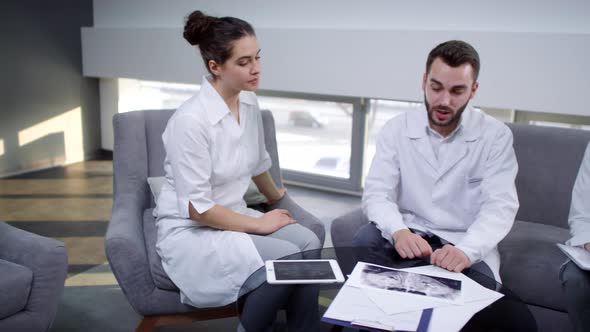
[441, 184]
[575, 281]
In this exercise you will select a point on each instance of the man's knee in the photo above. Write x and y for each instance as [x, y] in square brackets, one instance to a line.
[484, 269]
[482, 274]
[368, 236]
[572, 276]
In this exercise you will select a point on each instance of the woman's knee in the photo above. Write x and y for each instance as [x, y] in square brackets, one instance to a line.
[285, 248]
[312, 242]
[270, 248]
[306, 240]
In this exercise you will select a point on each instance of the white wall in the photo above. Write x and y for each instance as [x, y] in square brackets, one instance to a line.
[534, 53]
[565, 16]
[109, 97]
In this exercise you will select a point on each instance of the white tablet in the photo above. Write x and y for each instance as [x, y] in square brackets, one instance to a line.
[305, 271]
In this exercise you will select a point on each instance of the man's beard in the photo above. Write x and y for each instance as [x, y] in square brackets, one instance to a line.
[453, 120]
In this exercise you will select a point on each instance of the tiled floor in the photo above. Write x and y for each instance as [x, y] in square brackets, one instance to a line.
[73, 204]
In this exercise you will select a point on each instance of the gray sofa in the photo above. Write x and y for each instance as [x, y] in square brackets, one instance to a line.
[33, 269]
[548, 160]
[131, 235]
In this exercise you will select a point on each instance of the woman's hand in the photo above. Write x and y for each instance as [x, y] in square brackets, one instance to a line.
[274, 220]
[280, 194]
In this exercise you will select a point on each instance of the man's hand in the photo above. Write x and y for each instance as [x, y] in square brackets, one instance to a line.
[410, 245]
[451, 258]
[587, 246]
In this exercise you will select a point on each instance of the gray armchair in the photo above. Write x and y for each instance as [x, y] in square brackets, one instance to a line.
[131, 236]
[33, 269]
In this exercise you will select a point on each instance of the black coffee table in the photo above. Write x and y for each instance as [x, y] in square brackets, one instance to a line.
[507, 314]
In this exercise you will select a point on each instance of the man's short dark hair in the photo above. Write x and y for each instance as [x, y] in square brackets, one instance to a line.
[455, 53]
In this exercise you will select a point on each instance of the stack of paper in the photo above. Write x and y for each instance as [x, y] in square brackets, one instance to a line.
[391, 299]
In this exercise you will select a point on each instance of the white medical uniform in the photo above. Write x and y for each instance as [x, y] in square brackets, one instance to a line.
[579, 216]
[464, 193]
[210, 159]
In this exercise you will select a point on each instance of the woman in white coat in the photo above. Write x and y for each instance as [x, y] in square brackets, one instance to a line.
[209, 241]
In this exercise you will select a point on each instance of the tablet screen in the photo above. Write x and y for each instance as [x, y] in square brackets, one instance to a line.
[303, 271]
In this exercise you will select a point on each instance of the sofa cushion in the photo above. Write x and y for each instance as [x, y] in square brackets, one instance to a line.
[530, 263]
[159, 276]
[15, 287]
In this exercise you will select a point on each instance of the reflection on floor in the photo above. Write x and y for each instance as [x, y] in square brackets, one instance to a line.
[73, 204]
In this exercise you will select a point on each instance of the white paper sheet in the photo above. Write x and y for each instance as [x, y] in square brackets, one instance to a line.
[403, 311]
[352, 305]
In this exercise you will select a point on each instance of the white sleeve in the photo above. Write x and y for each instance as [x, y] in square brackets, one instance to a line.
[579, 216]
[499, 200]
[187, 149]
[379, 202]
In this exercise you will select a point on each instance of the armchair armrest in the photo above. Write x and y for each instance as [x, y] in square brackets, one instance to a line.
[302, 217]
[126, 250]
[47, 258]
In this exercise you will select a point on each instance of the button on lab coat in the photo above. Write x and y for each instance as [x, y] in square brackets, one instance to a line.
[467, 196]
[210, 159]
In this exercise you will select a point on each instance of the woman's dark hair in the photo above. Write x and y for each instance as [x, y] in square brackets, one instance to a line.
[215, 36]
[455, 53]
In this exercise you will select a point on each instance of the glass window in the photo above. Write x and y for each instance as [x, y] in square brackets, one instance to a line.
[502, 114]
[150, 95]
[559, 124]
[380, 111]
[553, 120]
[313, 136]
[318, 136]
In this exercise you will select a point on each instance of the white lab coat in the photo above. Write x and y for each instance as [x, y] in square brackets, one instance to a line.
[210, 159]
[579, 216]
[467, 196]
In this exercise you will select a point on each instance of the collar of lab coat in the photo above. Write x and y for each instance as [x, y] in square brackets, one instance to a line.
[417, 124]
[215, 106]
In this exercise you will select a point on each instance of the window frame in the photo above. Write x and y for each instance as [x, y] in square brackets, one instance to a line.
[319, 181]
[576, 121]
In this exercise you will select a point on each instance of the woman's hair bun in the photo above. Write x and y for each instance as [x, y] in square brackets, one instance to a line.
[196, 26]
